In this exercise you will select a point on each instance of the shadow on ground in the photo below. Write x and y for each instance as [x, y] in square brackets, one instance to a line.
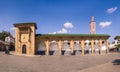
[116, 62]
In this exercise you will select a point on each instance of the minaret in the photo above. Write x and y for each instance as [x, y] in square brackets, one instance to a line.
[92, 26]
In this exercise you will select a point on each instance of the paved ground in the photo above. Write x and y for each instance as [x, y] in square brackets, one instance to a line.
[96, 63]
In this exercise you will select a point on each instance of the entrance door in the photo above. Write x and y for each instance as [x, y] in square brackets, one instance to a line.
[24, 49]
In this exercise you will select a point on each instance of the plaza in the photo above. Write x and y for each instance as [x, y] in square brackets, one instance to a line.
[89, 63]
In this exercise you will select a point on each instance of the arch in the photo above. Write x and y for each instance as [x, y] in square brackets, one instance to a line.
[77, 50]
[24, 49]
[104, 49]
[53, 50]
[96, 46]
[87, 47]
[41, 49]
[96, 41]
[66, 47]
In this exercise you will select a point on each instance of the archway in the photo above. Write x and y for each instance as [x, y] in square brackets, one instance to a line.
[104, 48]
[66, 48]
[87, 48]
[53, 48]
[24, 49]
[96, 47]
[41, 49]
[77, 50]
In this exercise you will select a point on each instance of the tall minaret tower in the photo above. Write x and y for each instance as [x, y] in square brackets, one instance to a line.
[92, 26]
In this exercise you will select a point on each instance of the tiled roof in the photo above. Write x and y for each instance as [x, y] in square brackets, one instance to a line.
[93, 35]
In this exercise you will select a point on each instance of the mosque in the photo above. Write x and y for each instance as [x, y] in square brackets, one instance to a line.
[29, 43]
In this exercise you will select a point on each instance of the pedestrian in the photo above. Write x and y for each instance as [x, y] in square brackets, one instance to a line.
[7, 50]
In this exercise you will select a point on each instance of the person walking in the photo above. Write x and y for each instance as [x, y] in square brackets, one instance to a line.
[7, 50]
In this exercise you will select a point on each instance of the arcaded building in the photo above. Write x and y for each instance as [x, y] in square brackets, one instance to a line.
[30, 43]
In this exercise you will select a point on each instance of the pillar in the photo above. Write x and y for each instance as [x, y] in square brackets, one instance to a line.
[29, 45]
[72, 45]
[92, 45]
[60, 46]
[19, 42]
[29, 51]
[47, 43]
[82, 43]
[100, 46]
[107, 46]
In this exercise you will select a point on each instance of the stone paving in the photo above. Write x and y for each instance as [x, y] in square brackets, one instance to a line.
[88, 63]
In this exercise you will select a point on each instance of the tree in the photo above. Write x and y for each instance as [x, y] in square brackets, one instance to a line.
[117, 46]
[4, 34]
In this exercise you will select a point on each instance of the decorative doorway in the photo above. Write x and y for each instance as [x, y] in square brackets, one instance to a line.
[24, 49]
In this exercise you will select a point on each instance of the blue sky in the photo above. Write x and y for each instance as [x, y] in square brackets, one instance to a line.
[62, 16]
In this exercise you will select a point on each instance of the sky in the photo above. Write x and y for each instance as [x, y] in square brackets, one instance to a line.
[62, 16]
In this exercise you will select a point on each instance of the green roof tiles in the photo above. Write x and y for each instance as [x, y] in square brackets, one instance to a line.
[106, 35]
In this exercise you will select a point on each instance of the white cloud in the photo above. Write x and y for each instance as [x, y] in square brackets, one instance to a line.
[68, 25]
[111, 10]
[105, 24]
[52, 33]
[63, 30]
